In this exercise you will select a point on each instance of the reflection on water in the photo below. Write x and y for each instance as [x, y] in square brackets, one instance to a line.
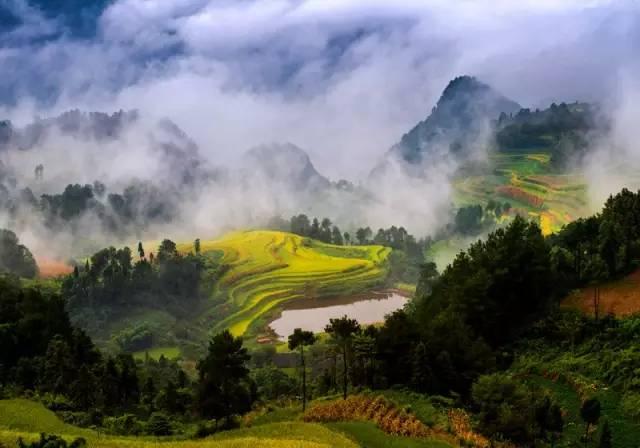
[366, 309]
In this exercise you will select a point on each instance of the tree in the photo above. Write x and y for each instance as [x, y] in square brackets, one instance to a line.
[336, 237]
[595, 273]
[363, 235]
[159, 425]
[167, 251]
[342, 331]
[223, 378]
[505, 407]
[148, 393]
[298, 340]
[140, 250]
[422, 377]
[590, 414]
[196, 246]
[83, 390]
[364, 350]
[555, 422]
[605, 439]
[273, 383]
[14, 257]
[428, 277]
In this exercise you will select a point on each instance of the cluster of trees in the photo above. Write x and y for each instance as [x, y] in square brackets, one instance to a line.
[542, 128]
[322, 230]
[404, 261]
[41, 352]
[473, 219]
[15, 258]
[111, 282]
[139, 205]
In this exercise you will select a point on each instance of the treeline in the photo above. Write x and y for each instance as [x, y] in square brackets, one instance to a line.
[137, 206]
[43, 355]
[472, 220]
[539, 128]
[404, 261]
[564, 128]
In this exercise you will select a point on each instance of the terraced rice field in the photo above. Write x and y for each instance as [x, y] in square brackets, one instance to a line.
[268, 268]
[527, 182]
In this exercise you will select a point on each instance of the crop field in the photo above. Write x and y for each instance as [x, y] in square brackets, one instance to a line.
[530, 185]
[269, 268]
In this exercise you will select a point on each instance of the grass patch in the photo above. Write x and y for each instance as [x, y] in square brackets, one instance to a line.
[26, 419]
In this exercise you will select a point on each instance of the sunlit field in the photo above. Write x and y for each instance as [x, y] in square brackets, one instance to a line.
[268, 268]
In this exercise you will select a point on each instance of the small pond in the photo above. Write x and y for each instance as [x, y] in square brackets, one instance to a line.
[314, 314]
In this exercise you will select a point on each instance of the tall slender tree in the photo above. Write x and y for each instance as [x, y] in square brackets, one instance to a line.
[342, 331]
[298, 340]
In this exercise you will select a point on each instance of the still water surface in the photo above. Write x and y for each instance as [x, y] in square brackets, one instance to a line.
[366, 309]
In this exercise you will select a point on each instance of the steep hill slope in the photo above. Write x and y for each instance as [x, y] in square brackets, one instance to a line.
[460, 116]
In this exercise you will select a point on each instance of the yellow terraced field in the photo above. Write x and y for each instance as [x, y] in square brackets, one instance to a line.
[268, 268]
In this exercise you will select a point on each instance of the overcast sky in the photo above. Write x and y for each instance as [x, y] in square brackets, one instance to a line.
[343, 79]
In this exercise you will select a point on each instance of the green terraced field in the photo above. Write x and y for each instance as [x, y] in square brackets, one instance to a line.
[268, 268]
[527, 181]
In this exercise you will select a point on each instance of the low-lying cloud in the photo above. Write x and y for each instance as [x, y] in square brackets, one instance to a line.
[341, 79]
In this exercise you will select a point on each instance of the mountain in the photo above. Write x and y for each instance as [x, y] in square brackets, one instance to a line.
[103, 134]
[461, 115]
[286, 164]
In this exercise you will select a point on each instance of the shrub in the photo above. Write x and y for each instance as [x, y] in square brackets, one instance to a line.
[631, 405]
[508, 408]
[51, 441]
[125, 425]
[159, 425]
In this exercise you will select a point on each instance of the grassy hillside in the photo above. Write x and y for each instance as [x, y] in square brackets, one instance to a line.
[268, 268]
[26, 419]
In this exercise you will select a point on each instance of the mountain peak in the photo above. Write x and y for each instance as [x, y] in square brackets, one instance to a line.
[465, 106]
[287, 163]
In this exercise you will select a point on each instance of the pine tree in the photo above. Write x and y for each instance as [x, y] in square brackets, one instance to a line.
[140, 250]
[223, 376]
[342, 331]
[298, 340]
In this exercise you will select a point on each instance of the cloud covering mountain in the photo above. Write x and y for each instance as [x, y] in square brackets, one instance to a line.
[342, 79]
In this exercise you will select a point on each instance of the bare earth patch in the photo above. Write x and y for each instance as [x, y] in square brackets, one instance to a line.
[621, 298]
[52, 268]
